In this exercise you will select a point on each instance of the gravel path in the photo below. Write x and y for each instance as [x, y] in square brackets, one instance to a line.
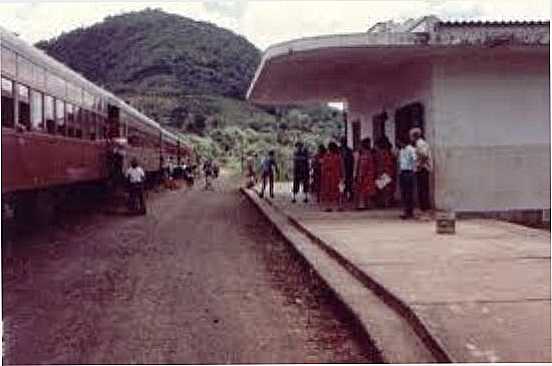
[201, 279]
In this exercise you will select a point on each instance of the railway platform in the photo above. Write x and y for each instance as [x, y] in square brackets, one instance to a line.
[481, 295]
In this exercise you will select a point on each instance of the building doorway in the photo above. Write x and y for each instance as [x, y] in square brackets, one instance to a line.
[378, 126]
[408, 117]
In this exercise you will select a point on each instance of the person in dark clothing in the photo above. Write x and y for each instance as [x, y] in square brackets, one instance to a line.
[300, 171]
[268, 169]
[348, 163]
[208, 171]
[317, 171]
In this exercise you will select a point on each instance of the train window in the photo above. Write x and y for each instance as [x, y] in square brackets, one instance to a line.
[84, 123]
[92, 126]
[72, 125]
[99, 124]
[78, 112]
[39, 76]
[103, 128]
[97, 106]
[70, 113]
[88, 100]
[24, 107]
[37, 112]
[8, 102]
[49, 114]
[74, 93]
[55, 84]
[8, 60]
[123, 129]
[133, 136]
[61, 126]
[25, 70]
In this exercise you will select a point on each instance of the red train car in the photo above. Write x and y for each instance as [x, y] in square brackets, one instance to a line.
[58, 128]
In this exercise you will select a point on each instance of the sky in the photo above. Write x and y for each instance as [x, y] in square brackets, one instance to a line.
[263, 22]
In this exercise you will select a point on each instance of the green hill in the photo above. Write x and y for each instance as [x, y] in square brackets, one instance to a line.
[158, 52]
[192, 77]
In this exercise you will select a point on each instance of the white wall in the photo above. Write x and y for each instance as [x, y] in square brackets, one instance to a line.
[492, 134]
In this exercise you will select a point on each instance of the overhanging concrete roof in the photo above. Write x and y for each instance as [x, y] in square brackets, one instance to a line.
[328, 67]
[317, 57]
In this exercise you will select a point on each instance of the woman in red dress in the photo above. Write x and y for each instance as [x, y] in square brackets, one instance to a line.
[316, 171]
[386, 163]
[331, 175]
[365, 174]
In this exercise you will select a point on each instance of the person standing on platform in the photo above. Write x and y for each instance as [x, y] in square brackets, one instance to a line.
[268, 169]
[136, 178]
[365, 175]
[317, 171]
[348, 162]
[300, 171]
[331, 177]
[407, 166]
[424, 166]
[386, 168]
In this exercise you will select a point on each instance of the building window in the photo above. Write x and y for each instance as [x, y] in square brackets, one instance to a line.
[61, 126]
[24, 107]
[37, 121]
[8, 103]
[49, 114]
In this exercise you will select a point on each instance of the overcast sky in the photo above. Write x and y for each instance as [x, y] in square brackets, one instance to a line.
[263, 22]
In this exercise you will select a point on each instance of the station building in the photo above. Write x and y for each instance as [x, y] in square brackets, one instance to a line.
[479, 90]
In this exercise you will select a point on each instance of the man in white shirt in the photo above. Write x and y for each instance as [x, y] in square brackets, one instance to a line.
[424, 166]
[407, 166]
[171, 167]
[136, 177]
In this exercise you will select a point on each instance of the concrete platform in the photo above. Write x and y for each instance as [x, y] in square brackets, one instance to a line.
[483, 294]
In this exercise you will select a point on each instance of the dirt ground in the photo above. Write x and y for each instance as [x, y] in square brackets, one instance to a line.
[201, 279]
